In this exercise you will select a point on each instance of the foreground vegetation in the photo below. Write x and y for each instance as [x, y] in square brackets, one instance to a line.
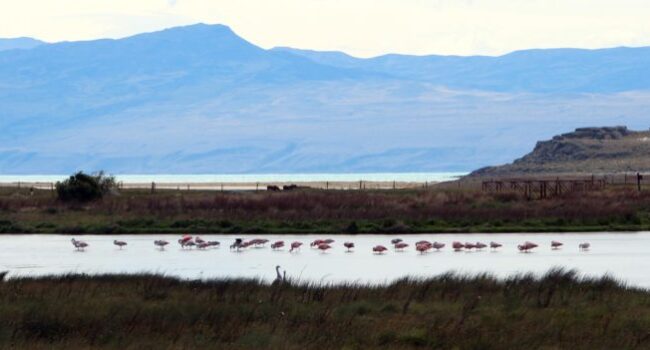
[320, 211]
[556, 311]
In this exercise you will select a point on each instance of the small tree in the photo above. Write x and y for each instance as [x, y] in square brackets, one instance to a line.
[82, 187]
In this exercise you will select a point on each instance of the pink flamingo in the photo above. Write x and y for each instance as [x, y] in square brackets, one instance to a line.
[183, 241]
[160, 244]
[190, 244]
[119, 243]
[437, 245]
[556, 244]
[316, 243]
[203, 245]
[295, 246]
[422, 242]
[584, 246]
[324, 247]
[277, 245]
[469, 246]
[379, 249]
[422, 248]
[401, 245]
[396, 240]
[495, 245]
[457, 246]
[199, 240]
[328, 241]
[348, 245]
[480, 245]
[214, 243]
[258, 242]
[527, 246]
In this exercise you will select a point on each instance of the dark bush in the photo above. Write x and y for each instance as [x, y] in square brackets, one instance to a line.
[82, 187]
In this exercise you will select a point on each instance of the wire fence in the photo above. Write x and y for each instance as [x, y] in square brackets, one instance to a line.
[466, 183]
[241, 186]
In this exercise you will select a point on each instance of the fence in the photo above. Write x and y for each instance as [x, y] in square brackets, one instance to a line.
[240, 186]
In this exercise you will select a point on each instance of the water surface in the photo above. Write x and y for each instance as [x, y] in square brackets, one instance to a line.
[622, 255]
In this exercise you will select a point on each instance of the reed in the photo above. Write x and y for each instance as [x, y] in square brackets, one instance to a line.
[557, 310]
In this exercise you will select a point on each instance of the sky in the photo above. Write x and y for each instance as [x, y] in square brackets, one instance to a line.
[362, 28]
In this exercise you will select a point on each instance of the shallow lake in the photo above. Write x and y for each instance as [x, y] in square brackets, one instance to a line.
[622, 255]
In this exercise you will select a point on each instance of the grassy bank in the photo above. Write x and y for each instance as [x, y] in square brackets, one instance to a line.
[447, 312]
[315, 211]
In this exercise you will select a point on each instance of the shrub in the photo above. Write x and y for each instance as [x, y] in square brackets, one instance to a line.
[82, 187]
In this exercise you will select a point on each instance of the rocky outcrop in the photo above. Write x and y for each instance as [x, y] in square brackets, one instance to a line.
[585, 150]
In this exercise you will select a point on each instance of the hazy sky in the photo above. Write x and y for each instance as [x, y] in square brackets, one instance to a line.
[359, 27]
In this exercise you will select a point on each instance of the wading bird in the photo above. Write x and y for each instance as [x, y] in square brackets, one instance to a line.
[423, 247]
[279, 279]
[237, 245]
[469, 246]
[160, 244]
[437, 245]
[348, 245]
[277, 245]
[457, 246]
[527, 246]
[79, 245]
[324, 247]
[584, 246]
[199, 240]
[495, 245]
[396, 240]
[379, 249]
[316, 243]
[295, 246]
[400, 246]
[328, 241]
[480, 245]
[556, 244]
[119, 243]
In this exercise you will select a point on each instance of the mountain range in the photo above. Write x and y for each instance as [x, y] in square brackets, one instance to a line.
[200, 99]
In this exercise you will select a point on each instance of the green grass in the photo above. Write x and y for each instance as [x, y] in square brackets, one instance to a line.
[557, 311]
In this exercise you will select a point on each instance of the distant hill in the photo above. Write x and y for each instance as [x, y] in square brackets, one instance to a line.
[19, 43]
[546, 71]
[586, 150]
[201, 99]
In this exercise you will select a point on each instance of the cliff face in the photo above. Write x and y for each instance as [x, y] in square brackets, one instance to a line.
[586, 150]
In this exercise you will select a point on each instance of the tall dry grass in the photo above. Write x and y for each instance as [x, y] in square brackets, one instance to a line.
[557, 311]
[309, 211]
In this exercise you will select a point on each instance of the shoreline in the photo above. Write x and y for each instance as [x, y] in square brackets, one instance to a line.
[111, 230]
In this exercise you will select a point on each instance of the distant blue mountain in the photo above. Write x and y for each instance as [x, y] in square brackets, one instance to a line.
[545, 71]
[19, 43]
[200, 99]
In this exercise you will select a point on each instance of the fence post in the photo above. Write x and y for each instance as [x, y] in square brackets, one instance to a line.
[639, 177]
[153, 187]
[360, 183]
[327, 185]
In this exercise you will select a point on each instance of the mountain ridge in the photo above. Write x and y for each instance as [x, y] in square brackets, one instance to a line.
[202, 99]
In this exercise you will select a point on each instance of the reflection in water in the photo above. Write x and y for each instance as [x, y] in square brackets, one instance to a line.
[622, 255]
